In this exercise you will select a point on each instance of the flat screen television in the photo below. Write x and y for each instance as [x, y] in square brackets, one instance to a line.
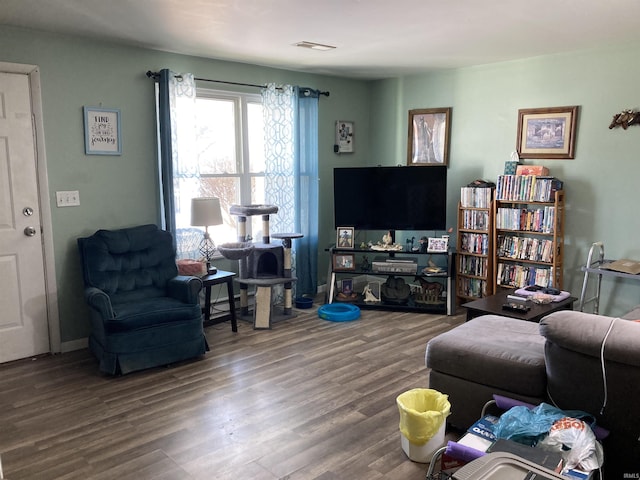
[391, 198]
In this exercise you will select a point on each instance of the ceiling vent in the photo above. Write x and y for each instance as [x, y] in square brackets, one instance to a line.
[314, 46]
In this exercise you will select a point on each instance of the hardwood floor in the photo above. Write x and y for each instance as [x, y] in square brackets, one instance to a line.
[310, 399]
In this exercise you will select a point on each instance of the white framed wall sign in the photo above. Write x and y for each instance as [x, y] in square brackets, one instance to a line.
[344, 137]
[102, 131]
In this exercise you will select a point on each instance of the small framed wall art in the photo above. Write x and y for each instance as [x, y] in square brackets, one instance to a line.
[547, 132]
[344, 137]
[102, 131]
[429, 131]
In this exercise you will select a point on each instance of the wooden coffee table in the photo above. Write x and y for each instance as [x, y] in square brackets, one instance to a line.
[493, 305]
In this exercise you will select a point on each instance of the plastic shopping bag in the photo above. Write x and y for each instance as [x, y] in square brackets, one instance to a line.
[577, 443]
[528, 426]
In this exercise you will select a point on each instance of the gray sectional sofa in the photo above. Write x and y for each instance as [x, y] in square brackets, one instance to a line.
[573, 360]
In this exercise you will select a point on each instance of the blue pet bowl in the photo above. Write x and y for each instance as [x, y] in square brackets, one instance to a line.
[339, 312]
[304, 302]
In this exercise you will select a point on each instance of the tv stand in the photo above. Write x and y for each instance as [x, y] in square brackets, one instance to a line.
[431, 292]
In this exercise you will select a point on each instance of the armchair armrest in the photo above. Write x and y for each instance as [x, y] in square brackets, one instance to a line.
[185, 288]
[100, 301]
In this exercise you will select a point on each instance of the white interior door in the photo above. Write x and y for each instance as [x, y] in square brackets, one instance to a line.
[24, 330]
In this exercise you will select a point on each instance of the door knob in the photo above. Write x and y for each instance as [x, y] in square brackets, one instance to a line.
[30, 231]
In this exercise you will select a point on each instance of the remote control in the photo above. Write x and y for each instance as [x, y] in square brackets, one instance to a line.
[516, 298]
[516, 307]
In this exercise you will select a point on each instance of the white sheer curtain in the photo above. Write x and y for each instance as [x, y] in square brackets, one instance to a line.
[291, 174]
[279, 107]
[178, 161]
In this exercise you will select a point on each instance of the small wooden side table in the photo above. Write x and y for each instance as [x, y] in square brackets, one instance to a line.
[217, 278]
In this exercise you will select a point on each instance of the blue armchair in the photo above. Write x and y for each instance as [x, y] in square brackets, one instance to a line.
[143, 314]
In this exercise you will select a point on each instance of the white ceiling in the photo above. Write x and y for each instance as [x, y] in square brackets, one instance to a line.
[374, 38]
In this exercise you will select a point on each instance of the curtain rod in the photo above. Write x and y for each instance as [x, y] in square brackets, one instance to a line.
[156, 75]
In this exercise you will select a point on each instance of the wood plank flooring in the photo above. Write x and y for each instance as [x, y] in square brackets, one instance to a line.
[309, 399]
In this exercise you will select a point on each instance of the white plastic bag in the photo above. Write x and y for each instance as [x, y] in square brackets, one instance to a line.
[584, 451]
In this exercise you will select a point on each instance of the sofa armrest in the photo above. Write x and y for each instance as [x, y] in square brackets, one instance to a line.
[185, 288]
[99, 301]
[585, 332]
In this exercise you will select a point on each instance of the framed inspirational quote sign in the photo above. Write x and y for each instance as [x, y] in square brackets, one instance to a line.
[102, 131]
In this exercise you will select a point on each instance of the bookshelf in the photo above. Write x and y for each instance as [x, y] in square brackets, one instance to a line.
[474, 250]
[528, 231]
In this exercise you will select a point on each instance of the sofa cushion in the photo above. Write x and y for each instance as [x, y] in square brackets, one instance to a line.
[492, 350]
[585, 332]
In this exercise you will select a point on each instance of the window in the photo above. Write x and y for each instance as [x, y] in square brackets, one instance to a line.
[227, 162]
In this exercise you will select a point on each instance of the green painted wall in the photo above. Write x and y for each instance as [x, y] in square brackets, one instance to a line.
[601, 182]
[121, 191]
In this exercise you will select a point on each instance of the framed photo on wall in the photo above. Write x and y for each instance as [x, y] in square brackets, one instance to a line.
[547, 132]
[344, 238]
[428, 141]
[102, 131]
[344, 136]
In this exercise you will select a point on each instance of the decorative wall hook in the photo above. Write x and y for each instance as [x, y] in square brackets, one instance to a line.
[624, 119]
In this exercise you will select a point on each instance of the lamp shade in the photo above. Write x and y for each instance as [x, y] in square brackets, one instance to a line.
[205, 211]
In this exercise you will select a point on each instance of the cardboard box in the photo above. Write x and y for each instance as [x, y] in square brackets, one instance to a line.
[537, 170]
[625, 265]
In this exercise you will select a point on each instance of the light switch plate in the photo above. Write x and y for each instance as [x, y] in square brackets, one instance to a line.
[70, 198]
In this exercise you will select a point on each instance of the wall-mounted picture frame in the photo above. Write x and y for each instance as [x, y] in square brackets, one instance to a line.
[437, 245]
[547, 132]
[344, 137]
[344, 237]
[429, 132]
[102, 131]
[344, 261]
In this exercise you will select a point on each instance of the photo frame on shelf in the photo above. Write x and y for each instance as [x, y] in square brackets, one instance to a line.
[547, 132]
[344, 237]
[375, 289]
[102, 131]
[344, 137]
[346, 286]
[344, 262]
[437, 245]
[429, 132]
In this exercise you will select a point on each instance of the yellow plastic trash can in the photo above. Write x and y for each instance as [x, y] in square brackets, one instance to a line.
[423, 412]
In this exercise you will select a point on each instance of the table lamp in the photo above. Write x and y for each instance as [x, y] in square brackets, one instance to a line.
[205, 212]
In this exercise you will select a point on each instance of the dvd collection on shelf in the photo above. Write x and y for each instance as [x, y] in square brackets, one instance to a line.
[474, 243]
[527, 188]
[475, 197]
[525, 248]
[475, 219]
[529, 220]
[476, 266]
[518, 276]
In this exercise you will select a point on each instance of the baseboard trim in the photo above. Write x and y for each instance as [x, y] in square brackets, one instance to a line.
[73, 345]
